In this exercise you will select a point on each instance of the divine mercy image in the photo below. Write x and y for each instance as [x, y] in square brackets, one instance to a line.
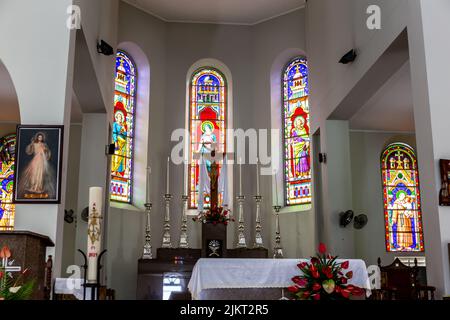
[38, 164]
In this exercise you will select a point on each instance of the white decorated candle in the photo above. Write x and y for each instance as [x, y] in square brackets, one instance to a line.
[240, 176]
[276, 190]
[257, 177]
[168, 176]
[94, 245]
[147, 191]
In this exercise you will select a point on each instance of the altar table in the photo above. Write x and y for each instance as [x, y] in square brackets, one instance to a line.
[209, 275]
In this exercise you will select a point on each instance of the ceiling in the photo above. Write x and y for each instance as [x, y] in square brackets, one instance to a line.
[390, 108]
[243, 12]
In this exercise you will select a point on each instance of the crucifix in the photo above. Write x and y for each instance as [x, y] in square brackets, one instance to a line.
[399, 161]
[214, 187]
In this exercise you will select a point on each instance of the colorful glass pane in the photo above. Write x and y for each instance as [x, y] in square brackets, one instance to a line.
[402, 210]
[7, 208]
[123, 129]
[208, 104]
[297, 162]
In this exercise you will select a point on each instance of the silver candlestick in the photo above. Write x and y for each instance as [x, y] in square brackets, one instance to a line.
[242, 243]
[167, 243]
[147, 254]
[184, 243]
[277, 249]
[258, 237]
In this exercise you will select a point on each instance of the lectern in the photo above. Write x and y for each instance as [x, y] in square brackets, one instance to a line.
[28, 251]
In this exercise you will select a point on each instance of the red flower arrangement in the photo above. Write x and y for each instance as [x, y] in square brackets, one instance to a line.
[324, 279]
[215, 216]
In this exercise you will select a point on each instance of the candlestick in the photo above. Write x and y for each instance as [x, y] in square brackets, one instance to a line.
[167, 243]
[242, 243]
[184, 243]
[168, 176]
[147, 254]
[94, 231]
[258, 237]
[257, 177]
[240, 176]
[147, 193]
[277, 249]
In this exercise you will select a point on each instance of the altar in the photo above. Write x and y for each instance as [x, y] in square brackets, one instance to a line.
[255, 279]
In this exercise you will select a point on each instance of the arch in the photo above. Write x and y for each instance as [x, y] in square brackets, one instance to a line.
[277, 118]
[221, 105]
[141, 136]
[401, 199]
[123, 132]
[9, 105]
[293, 183]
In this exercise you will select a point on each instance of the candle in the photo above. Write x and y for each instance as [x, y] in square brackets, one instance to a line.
[276, 190]
[94, 232]
[147, 199]
[185, 179]
[168, 176]
[240, 176]
[257, 177]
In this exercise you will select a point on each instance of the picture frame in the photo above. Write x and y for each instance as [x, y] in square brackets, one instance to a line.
[38, 169]
[444, 194]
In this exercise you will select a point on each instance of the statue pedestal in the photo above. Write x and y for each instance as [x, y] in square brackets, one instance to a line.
[214, 240]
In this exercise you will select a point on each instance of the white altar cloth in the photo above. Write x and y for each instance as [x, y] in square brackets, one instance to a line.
[71, 286]
[259, 273]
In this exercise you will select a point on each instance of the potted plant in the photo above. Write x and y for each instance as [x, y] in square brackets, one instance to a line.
[324, 278]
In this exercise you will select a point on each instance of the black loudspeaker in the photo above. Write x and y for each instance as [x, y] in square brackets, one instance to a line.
[349, 57]
[110, 148]
[345, 218]
[105, 48]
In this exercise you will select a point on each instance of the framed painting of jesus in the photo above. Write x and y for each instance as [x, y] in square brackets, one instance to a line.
[37, 176]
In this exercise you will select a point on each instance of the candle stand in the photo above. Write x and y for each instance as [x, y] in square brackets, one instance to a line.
[95, 287]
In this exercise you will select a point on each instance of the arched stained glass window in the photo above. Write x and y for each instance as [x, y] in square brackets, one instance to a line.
[123, 129]
[297, 163]
[7, 158]
[401, 190]
[208, 123]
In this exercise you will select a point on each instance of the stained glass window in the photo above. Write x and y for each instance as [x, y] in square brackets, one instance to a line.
[123, 129]
[297, 163]
[208, 121]
[7, 157]
[402, 210]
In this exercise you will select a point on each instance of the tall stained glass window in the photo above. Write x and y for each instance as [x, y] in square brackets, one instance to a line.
[123, 129]
[7, 158]
[208, 121]
[402, 211]
[297, 162]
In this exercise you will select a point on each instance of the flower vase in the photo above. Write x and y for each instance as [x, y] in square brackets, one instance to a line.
[214, 240]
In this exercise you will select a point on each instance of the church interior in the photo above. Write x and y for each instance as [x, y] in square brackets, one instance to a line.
[141, 139]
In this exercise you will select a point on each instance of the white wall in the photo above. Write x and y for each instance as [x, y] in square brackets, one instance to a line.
[99, 22]
[429, 50]
[73, 167]
[44, 94]
[341, 26]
